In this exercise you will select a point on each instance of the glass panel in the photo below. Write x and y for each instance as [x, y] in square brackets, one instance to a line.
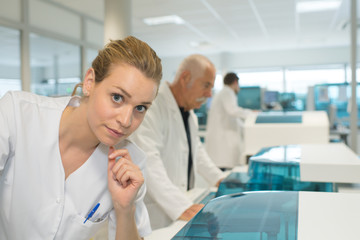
[250, 216]
[9, 60]
[279, 117]
[299, 80]
[270, 80]
[334, 98]
[272, 168]
[279, 167]
[282, 160]
[90, 56]
[55, 66]
[349, 74]
[55, 19]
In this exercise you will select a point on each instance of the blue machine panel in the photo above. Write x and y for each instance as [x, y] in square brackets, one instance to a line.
[280, 160]
[279, 117]
[273, 168]
[250, 97]
[250, 215]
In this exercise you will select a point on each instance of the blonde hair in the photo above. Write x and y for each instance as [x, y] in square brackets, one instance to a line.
[131, 51]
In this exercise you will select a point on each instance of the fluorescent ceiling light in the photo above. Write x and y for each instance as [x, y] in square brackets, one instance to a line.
[173, 19]
[199, 44]
[316, 6]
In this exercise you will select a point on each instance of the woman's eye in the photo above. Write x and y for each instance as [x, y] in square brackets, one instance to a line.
[117, 98]
[141, 108]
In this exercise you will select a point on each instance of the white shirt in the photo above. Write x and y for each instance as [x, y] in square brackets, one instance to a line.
[36, 202]
[162, 136]
[224, 140]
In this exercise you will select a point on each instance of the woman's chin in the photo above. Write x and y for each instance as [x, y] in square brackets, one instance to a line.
[111, 142]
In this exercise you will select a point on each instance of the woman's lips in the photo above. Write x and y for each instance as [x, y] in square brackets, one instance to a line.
[115, 133]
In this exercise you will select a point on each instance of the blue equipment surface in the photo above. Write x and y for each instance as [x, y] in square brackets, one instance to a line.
[269, 215]
[250, 97]
[279, 117]
[272, 168]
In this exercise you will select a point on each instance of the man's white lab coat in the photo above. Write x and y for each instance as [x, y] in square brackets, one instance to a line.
[162, 136]
[223, 139]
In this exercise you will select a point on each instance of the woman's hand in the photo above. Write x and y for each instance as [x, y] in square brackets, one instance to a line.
[124, 179]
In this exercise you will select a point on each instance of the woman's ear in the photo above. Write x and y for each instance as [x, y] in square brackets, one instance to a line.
[89, 82]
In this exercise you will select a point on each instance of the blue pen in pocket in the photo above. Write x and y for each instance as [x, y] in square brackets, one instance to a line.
[92, 212]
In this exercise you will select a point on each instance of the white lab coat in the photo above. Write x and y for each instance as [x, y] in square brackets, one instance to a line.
[162, 136]
[36, 202]
[223, 139]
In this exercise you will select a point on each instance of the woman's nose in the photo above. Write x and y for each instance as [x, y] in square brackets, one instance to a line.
[125, 116]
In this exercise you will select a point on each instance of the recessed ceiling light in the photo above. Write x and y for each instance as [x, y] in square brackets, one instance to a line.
[201, 44]
[317, 6]
[171, 19]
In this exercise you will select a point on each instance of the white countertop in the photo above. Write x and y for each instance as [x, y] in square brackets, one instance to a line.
[330, 216]
[332, 162]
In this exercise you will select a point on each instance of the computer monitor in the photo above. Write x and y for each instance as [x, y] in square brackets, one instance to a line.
[287, 101]
[271, 97]
[249, 97]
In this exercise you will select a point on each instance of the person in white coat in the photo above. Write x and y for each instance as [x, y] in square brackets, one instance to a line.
[60, 172]
[169, 136]
[224, 139]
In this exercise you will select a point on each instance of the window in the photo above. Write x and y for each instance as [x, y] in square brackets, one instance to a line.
[55, 66]
[9, 60]
[271, 80]
[48, 16]
[90, 56]
[298, 80]
[218, 83]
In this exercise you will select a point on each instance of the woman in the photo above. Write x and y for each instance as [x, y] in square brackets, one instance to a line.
[63, 158]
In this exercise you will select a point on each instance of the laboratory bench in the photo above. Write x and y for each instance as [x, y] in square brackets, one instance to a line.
[320, 202]
[292, 215]
[302, 167]
[276, 215]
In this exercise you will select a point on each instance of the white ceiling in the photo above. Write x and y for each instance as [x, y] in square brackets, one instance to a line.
[230, 25]
[220, 26]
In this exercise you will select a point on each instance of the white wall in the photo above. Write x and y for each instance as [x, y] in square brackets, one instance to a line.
[294, 57]
[262, 59]
[170, 65]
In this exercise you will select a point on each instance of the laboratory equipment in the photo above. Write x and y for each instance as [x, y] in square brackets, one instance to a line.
[273, 168]
[251, 215]
[308, 127]
[275, 215]
[279, 117]
[271, 98]
[250, 97]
